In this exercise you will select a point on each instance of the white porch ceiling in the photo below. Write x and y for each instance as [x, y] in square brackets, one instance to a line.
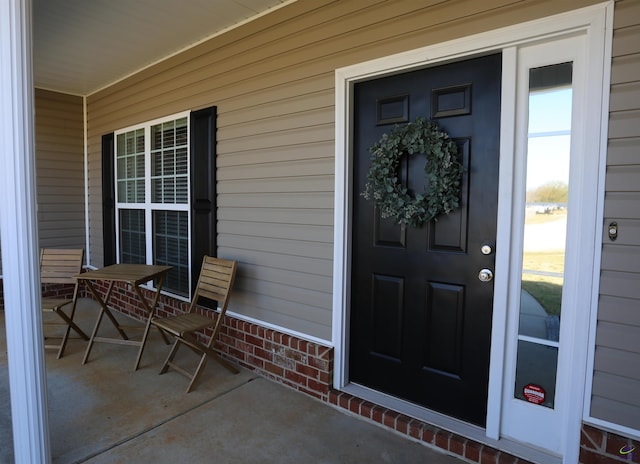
[81, 46]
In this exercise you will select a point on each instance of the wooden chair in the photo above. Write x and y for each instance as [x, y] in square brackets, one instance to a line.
[215, 283]
[58, 266]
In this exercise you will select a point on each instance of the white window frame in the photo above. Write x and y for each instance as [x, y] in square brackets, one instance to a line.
[148, 206]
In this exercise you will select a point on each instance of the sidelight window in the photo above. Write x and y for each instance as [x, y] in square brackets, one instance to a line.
[545, 231]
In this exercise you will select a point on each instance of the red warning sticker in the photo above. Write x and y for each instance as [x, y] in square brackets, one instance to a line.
[534, 393]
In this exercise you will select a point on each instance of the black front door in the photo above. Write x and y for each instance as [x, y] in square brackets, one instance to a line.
[420, 326]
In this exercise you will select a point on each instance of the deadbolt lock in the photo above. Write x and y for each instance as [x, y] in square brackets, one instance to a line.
[486, 249]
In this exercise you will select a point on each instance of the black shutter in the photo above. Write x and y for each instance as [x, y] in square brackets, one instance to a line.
[108, 201]
[203, 188]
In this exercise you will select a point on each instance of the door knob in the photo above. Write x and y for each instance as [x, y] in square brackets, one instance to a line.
[485, 275]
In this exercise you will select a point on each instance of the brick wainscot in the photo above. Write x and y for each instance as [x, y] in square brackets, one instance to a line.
[600, 447]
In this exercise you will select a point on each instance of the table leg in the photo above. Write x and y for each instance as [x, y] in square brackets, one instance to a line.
[103, 310]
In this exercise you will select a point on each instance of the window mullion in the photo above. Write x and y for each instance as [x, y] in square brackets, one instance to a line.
[147, 195]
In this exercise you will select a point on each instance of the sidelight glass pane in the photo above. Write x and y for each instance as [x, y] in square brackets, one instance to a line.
[536, 373]
[545, 231]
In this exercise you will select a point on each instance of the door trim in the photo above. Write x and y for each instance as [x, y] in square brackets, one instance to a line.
[594, 21]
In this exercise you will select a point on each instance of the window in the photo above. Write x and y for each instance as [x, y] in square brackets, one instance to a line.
[545, 232]
[152, 185]
[168, 185]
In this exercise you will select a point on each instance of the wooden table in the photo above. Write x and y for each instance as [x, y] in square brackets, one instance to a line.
[134, 275]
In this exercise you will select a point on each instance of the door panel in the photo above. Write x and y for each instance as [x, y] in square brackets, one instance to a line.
[445, 310]
[450, 232]
[387, 313]
[420, 318]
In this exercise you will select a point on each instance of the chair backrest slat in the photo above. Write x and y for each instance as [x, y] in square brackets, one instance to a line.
[216, 279]
[58, 266]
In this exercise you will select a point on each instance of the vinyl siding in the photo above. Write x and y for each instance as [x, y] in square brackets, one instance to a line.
[273, 83]
[60, 169]
[616, 377]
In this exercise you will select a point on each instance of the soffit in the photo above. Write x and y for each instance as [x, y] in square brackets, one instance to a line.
[81, 46]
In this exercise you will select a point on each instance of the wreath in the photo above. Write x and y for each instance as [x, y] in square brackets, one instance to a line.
[443, 173]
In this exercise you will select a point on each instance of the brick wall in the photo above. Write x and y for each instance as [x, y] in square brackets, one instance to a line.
[48, 290]
[302, 365]
[297, 363]
[600, 447]
[57, 290]
[465, 449]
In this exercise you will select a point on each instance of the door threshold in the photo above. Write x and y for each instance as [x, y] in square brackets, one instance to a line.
[464, 429]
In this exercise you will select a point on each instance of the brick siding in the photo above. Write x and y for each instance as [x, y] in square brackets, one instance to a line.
[57, 291]
[48, 290]
[463, 448]
[600, 447]
[297, 363]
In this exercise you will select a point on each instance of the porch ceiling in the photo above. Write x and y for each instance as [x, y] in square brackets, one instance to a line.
[81, 46]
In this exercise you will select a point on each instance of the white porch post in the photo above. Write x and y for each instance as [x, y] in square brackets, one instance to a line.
[19, 237]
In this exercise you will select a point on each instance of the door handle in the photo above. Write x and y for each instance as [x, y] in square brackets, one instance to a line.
[485, 275]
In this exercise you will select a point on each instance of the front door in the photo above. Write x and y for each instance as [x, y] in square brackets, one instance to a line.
[420, 326]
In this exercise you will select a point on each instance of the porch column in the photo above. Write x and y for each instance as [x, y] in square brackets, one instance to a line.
[19, 237]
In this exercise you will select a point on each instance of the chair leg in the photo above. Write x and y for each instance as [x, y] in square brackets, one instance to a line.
[172, 354]
[211, 353]
[198, 371]
[63, 343]
[205, 353]
[217, 357]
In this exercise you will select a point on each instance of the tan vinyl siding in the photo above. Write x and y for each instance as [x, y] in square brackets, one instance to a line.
[59, 144]
[273, 83]
[616, 378]
[60, 169]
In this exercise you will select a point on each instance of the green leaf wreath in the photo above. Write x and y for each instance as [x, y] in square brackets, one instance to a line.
[443, 173]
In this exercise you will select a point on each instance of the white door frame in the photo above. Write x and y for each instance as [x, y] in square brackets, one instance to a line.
[596, 23]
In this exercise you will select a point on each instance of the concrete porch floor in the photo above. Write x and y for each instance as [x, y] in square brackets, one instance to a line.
[103, 412]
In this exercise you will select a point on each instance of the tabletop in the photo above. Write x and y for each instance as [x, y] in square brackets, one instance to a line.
[132, 273]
